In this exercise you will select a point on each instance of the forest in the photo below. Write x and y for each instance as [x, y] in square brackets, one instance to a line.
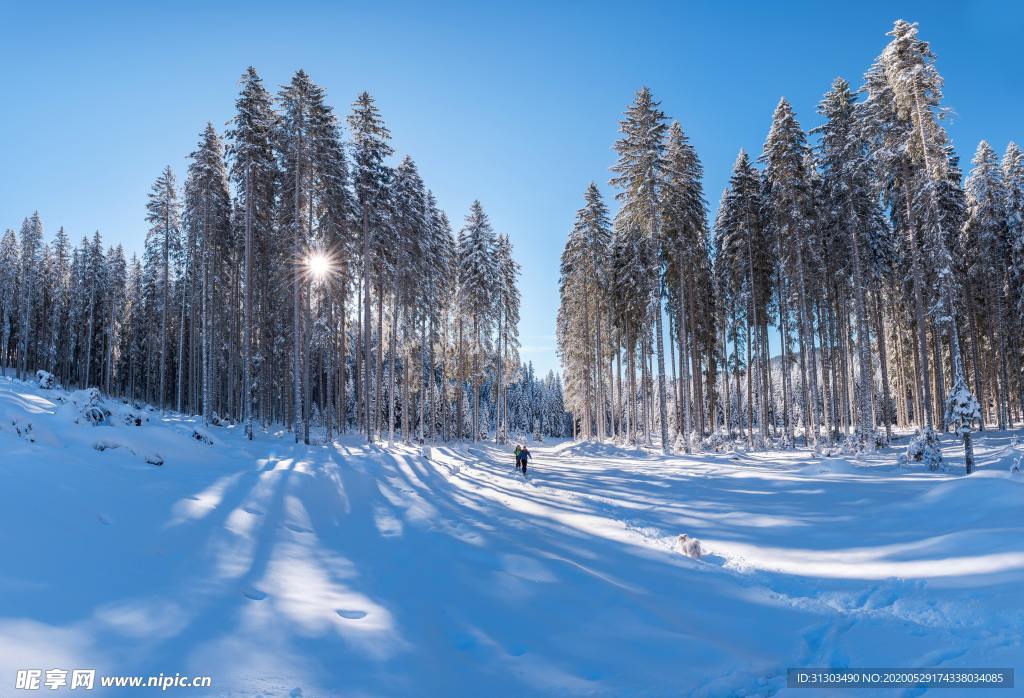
[852, 282]
[297, 278]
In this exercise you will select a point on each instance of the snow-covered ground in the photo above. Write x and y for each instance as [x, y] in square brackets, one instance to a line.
[365, 571]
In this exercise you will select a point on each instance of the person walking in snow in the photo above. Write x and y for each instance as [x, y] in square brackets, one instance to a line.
[522, 455]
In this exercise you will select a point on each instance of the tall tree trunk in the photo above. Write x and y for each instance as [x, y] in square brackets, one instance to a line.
[883, 362]
[365, 330]
[391, 363]
[660, 350]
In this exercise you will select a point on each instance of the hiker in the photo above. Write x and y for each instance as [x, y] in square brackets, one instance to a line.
[522, 455]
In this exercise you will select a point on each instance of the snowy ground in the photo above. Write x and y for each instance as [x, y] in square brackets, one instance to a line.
[346, 570]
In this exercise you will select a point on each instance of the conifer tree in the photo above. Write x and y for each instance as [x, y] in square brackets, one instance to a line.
[163, 216]
[254, 174]
[477, 293]
[207, 217]
[851, 209]
[9, 266]
[789, 206]
[639, 173]
[31, 241]
[685, 250]
[371, 178]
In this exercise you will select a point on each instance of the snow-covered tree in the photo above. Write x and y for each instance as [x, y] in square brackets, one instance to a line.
[163, 240]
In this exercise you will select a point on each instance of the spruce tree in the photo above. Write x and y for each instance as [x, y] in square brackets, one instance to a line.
[638, 173]
[254, 174]
[163, 216]
[371, 178]
[31, 242]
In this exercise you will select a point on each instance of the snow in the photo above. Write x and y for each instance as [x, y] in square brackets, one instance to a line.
[281, 569]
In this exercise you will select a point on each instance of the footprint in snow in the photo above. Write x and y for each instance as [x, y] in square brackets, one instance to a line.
[254, 594]
[295, 528]
[252, 510]
[351, 614]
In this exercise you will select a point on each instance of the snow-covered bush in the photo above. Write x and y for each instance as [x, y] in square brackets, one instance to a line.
[201, 437]
[862, 442]
[46, 380]
[715, 442]
[155, 459]
[924, 448]
[133, 419]
[90, 406]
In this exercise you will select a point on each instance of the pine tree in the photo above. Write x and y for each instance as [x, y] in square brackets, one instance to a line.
[296, 141]
[909, 67]
[405, 269]
[254, 173]
[1013, 183]
[788, 201]
[58, 284]
[685, 250]
[507, 310]
[371, 178]
[9, 266]
[207, 218]
[744, 273]
[28, 283]
[584, 291]
[477, 293]
[987, 229]
[164, 218]
[851, 203]
[641, 162]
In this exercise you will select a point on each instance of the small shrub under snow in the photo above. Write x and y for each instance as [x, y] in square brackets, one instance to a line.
[24, 431]
[924, 448]
[46, 380]
[715, 442]
[90, 407]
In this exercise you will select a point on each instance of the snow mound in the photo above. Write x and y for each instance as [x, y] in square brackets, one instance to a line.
[45, 380]
[90, 406]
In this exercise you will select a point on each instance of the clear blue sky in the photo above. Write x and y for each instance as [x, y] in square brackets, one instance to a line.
[515, 104]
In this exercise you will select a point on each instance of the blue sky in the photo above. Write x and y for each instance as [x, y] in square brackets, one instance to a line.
[515, 104]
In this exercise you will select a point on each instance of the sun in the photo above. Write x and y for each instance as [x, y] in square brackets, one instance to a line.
[319, 266]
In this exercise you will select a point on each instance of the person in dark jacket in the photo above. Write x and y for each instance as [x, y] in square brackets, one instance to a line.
[521, 458]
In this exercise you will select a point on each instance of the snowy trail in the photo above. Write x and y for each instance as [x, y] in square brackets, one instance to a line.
[363, 570]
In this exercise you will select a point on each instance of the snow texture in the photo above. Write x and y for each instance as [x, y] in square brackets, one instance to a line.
[281, 569]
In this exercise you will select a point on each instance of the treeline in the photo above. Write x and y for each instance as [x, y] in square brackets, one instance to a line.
[891, 287]
[295, 278]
